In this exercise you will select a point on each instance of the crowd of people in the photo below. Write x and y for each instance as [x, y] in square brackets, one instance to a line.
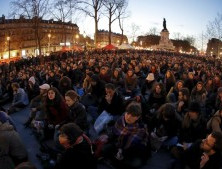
[119, 106]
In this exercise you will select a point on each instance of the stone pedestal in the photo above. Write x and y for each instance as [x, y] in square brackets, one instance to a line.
[164, 43]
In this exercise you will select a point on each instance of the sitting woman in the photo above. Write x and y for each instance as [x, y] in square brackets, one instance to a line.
[77, 112]
[165, 127]
[78, 149]
[193, 126]
[215, 123]
[56, 110]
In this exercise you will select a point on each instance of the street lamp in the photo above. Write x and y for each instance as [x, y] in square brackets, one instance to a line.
[8, 39]
[49, 36]
[77, 37]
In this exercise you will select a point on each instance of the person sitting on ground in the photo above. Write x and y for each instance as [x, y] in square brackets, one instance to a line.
[12, 151]
[78, 149]
[111, 104]
[128, 141]
[183, 101]
[77, 112]
[65, 84]
[215, 122]
[130, 82]
[32, 88]
[20, 99]
[36, 105]
[204, 154]
[193, 127]
[164, 127]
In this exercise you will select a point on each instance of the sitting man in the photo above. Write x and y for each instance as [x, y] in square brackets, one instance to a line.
[129, 140]
[20, 99]
[205, 154]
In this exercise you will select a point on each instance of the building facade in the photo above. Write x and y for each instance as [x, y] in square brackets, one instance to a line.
[18, 36]
[103, 38]
[214, 48]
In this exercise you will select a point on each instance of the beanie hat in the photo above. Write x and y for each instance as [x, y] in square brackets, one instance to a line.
[32, 79]
[150, 77]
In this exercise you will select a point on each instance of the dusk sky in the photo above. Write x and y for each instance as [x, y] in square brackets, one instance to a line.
[188, 17]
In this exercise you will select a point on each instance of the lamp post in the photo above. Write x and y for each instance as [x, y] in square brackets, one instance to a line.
[84, 35]
[49, 36]
[77, 37]
[8, 39]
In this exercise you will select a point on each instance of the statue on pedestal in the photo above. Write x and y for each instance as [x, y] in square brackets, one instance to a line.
[164, 24]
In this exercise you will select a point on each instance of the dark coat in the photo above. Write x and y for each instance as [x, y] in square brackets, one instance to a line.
[79, 156]
[77, 114]
[115, 108]
[192, 158]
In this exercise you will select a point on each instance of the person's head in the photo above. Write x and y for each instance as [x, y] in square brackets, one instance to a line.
[190, 75]
[194, 110]
[44, 88]
[15, 86]
[168, 111]
[213, 143]
[130, 72]
[69, 135]
[94, 79]
[110, 89]
[158, 88]
[183, 94]
[71, 97]
[133, 113]
[179, 85]
[53, 94]
[199, 86]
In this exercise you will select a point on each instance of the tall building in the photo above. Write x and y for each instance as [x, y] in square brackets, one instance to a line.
[18, 36]
[103, 38]
[214, 48]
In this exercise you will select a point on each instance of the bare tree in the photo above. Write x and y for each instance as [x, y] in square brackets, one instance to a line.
[122, 15]
[112, 7]
[34, 10]
[92, 8]
[134, 28]
[152, 31]
[62, 10]
[214, 29]
[190, 39]
[177, 36]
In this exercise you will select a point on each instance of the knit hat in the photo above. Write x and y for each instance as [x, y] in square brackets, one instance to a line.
[72, 131]
[45, 86]
[32, 79]
[150, 77]
[194, 107]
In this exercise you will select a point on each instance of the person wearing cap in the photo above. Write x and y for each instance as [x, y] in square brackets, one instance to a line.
[78, 152]
[12, 151]
[32, 88]
[148, 85]
[36, 105]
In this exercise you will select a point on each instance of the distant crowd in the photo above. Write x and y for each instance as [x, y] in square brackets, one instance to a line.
[114, 106]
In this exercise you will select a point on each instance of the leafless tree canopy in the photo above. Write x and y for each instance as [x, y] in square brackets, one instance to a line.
[214, 28]
[29, 8]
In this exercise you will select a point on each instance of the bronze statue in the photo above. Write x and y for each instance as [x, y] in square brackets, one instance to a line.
[164, 24]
